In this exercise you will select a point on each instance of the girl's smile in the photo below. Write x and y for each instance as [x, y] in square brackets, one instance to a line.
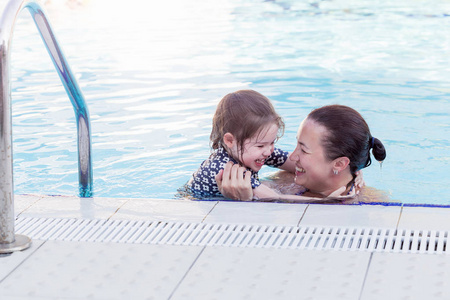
[259, 147]
[260, 162]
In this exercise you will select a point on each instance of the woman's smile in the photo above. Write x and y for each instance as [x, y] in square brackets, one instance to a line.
[299, 170]
[311, 167]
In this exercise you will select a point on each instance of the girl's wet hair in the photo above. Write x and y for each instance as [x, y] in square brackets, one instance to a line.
[244, 114]
[348, 136]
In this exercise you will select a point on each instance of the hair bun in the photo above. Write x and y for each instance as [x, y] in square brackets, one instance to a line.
[378, 150]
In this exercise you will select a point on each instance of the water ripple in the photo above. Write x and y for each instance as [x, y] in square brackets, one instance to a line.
[152, 78]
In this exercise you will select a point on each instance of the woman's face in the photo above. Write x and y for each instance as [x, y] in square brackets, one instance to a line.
[313, 170]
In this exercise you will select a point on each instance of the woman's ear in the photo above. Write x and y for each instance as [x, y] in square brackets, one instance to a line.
[341, 163]
[229, 140]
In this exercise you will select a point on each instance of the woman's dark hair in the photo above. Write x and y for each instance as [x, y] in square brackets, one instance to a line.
[243, 114]
[348, 136]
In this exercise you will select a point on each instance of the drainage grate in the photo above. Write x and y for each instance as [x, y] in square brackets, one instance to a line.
[235, 235]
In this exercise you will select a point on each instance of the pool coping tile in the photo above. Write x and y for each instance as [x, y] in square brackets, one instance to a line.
[164, 210]
[256, 213]
[351, 215]
[380, 216]
[72, 207]
[430, 218]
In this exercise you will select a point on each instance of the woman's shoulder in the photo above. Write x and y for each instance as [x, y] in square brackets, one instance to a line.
[370, 194]
[283, 183]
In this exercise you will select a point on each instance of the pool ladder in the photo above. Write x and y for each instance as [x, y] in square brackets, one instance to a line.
[10, 242]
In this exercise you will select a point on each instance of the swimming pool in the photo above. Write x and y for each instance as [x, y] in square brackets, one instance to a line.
[152, 76]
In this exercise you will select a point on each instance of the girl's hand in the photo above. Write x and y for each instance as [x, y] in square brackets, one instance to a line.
[359, 180]
[234, 182]
[337, 194]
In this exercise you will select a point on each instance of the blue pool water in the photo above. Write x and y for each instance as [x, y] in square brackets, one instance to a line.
[153, 73]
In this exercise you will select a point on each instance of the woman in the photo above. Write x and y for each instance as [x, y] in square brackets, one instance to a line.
[333, 143]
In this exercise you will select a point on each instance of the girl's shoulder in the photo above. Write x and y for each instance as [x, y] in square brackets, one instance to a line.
[217, 160]
[277, 158]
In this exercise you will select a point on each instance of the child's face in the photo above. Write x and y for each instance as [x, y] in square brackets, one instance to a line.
[259, 147]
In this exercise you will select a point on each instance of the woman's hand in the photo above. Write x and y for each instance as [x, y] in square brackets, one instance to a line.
[234, 182]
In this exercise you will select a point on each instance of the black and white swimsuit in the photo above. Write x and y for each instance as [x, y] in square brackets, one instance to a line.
[203, 184]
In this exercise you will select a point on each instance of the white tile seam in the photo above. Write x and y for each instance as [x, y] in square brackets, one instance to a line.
[22, 261]
[365, 276]
[399, 217]
[303, 215]
[29, 206]
[187, 272]
[117, 210]
[212, 208]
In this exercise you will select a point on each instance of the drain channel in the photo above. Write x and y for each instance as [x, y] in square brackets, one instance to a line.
[235, 235]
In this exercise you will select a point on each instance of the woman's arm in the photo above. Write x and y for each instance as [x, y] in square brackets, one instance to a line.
[265, 193]
[234, 183]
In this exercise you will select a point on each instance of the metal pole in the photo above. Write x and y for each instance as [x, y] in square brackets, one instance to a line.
[10, 242]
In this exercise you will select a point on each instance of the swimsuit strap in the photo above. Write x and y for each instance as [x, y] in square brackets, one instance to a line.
[307, 190]
[302, 192]
[351, 188]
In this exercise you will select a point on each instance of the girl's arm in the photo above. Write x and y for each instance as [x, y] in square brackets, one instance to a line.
[289, 165]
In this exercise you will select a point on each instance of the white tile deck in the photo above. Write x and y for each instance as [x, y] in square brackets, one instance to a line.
[76, 270]
[411, 276]
[56, 269]
[257, 273]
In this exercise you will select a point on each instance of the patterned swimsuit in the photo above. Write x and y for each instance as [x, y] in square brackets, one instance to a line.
[203, 183]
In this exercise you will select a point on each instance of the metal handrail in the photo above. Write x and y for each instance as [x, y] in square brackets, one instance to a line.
[8, 240]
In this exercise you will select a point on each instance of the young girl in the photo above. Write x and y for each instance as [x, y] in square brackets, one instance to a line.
[245, 129]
